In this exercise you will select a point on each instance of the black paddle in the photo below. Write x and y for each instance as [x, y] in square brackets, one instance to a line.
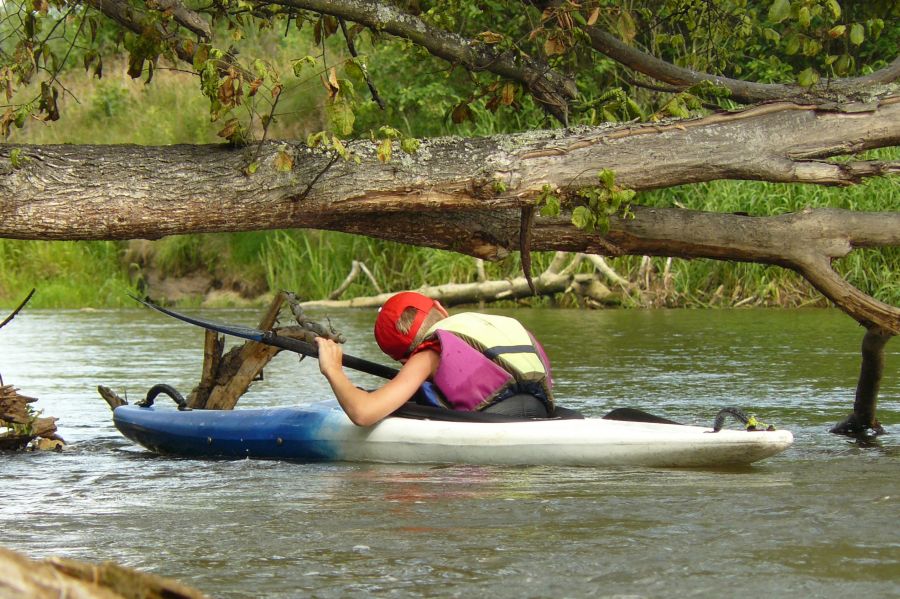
[271, 338]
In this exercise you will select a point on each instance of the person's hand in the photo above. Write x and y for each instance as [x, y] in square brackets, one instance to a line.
[330, 354]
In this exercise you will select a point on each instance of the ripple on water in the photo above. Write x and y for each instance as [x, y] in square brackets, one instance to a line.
[811, 521]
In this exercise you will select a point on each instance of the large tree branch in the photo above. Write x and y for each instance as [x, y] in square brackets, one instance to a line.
[183, 16]
[107, 192]
[742, 91]
[447, 194]
[805, 242]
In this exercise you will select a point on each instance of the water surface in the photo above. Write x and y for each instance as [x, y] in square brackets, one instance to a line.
[818, 520]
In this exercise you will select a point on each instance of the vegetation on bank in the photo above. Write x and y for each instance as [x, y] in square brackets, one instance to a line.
[119, 109]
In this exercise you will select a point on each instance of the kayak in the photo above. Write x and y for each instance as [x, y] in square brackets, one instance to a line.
[322, 432]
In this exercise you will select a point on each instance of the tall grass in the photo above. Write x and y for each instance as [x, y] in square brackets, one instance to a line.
[65, 274]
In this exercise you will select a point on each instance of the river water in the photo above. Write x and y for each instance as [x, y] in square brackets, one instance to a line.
[819, 520]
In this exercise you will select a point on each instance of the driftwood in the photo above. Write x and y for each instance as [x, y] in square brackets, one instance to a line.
[22, 425]
[58, 577]
[225, 378]
[561, 276]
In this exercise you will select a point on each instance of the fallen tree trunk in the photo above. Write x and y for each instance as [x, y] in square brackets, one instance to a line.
[129, 192]
[468, 195]
[556, 279]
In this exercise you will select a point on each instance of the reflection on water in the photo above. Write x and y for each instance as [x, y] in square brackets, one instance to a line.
[817, 520]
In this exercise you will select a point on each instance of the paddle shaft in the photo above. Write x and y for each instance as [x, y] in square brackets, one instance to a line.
[312, 350]
[270, 338]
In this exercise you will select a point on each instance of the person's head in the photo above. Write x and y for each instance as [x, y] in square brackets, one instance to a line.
[403, 321]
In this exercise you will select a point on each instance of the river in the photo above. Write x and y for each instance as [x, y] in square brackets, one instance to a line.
[819, 520]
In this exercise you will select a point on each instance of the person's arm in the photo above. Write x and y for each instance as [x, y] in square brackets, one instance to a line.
[366, 408]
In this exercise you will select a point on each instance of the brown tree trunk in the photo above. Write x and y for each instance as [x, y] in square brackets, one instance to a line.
[862, 421]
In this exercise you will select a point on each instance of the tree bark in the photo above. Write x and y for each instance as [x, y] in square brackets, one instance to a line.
[862, 422]
[127, 192]
[447, 194]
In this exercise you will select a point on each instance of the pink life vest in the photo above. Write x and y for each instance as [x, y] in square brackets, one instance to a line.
[485, 359]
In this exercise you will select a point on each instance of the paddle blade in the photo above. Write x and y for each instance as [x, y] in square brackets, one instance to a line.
[227, 329]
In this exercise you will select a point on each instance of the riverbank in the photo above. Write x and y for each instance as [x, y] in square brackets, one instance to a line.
[246, 269]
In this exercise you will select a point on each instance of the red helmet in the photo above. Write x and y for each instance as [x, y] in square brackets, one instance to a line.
[391, 340]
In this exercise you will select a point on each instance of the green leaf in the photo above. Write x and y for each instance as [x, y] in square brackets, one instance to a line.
[340, 116]
[843, 65]
[834, 7]
[804, 17]
[340, 148]
[410, 145]
[779, 11]
[808, 77]
[857, 34]
[624, 195]
[837, 31]
[314, 140]
[17, 159]
[583, 218]
[260, 67]
[385, 132]
[792, 44]
[550, 207]
[353, 69]
[607, 177]
[300, 63]
[383, 151]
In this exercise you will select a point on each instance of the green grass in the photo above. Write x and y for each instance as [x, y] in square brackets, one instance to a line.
[65, 274]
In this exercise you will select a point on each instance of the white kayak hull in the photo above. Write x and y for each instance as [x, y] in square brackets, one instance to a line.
[322, 432]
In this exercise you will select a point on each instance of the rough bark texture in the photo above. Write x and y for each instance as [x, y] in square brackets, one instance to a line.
[445, 195]
[125, 192]
[226, 378]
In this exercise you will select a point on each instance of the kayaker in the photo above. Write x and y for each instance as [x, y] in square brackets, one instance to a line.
[478, 362]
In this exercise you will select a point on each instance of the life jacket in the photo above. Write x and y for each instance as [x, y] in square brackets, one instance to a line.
[487, 358]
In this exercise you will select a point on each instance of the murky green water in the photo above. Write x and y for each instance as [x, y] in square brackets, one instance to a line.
[819, 520]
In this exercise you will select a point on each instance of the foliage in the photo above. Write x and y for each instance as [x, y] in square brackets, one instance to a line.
[261, 62]
[595, 204]
[66, 274]
[274, 71]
